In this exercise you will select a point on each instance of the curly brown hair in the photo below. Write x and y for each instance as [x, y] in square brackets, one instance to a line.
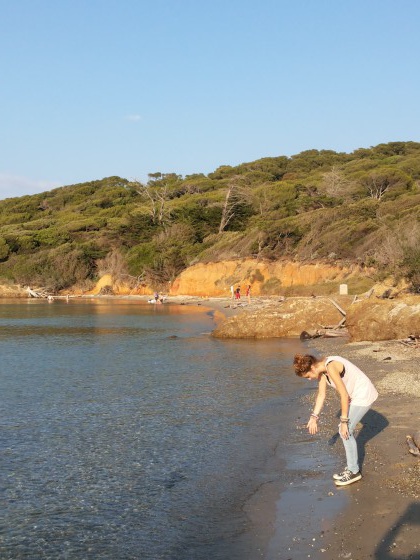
[303, 363]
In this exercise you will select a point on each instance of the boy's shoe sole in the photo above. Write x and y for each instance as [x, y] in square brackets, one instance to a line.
[348, 478]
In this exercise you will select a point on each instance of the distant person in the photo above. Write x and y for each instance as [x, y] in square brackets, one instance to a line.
[238, 293]
[248, 293]
[357, 394]
[232, 292]
[156, 296]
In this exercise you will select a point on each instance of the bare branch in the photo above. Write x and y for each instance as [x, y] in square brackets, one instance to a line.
[237, 193]
[157, 196]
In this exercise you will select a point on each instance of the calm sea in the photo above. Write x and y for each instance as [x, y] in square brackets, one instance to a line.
[127, 432]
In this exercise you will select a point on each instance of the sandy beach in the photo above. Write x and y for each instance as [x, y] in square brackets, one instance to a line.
[378, 517]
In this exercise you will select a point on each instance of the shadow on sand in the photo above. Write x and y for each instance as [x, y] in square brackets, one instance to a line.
[372, 424]
[386, 550]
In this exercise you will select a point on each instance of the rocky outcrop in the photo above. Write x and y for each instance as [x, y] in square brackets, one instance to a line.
[366, 319]
[283, 319]
[265, 277]
[384, 319]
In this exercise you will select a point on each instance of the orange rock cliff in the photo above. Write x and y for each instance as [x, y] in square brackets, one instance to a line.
[266, 278]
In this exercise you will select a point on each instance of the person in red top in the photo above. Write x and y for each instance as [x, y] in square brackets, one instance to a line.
[248, 293]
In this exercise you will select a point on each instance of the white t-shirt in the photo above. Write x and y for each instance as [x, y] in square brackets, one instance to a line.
[360, 388]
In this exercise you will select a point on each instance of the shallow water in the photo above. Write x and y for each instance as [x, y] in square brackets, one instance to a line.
[127, 432]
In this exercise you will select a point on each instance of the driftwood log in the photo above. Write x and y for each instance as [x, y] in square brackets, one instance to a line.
[38, 293]
[412, 341]
[329, 331]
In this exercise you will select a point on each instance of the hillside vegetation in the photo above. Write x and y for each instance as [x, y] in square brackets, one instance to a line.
[361, 207]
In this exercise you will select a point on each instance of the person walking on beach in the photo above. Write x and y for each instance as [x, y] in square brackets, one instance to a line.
[238, 293]
[232, 292]
[357, 394]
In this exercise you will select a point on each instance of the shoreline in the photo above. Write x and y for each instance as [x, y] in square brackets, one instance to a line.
[387, 499]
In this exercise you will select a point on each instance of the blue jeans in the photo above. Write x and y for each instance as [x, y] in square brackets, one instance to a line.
[356, 413]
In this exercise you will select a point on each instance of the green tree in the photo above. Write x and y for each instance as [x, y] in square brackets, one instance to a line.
[379, 181]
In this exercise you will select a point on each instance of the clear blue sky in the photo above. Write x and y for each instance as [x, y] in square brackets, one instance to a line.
[93, 88]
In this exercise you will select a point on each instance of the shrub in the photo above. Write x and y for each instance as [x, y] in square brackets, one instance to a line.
[26, 243]
[52, 237]
[140, 257]
[53, 269]
[4, 249]
[114, 264]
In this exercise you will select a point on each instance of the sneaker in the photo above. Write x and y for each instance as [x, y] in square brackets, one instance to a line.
[348, 478]
[340, 475]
